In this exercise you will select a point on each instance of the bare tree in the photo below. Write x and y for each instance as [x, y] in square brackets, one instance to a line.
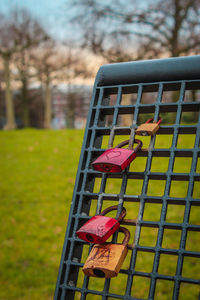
[32, 34]
[131, 30]
[76, 66]
[46, 62]
[7, 47]
[58, 63]
[1, 95]
[121, 31]
[18, 32]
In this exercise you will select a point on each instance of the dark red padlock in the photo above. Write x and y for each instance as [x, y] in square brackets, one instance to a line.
[116, 159]
[99, 228]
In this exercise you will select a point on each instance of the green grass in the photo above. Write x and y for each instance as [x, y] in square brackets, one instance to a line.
[38, 170]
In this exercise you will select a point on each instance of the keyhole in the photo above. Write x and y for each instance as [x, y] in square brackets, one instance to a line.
[106, 168]
[144, 133]
[98, 273]
[89, 238]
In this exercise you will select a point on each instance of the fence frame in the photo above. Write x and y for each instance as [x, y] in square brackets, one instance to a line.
[160, 75]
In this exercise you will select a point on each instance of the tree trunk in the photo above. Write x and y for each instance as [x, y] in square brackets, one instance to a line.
[25, 103]
[48, 109]
[10, 114]
[71, 106]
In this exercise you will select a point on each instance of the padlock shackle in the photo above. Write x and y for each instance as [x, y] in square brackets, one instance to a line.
[159, 121]
[151, 119]
[114, 207]
[136, 141]
[127, 235]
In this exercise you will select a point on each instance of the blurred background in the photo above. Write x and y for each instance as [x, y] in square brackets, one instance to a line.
[50, 52]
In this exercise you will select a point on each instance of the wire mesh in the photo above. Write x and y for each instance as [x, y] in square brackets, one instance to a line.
[116, 109]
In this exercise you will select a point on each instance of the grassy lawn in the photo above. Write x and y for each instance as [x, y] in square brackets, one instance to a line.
[38, 170]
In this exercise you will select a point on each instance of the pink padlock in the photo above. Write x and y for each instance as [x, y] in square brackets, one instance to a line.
[115, 160]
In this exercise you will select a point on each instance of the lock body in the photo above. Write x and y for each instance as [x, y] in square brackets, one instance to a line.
[105, 260]
[147, 129]
[98, 229]
[114, 160]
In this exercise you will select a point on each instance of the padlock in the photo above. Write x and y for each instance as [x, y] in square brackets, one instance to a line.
[116, 159]
[99, 228]
[148, 128]
[105, 260]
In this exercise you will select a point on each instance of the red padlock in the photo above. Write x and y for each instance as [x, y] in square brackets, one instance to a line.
[116, 159]
[99, 228]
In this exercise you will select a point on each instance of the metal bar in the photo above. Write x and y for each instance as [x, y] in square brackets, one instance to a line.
[149, 71]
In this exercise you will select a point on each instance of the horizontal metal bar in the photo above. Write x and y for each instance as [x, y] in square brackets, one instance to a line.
[149, 71]
[150, 108]
[167, 251]
[182, 129]
[136, 198]
[152, 176]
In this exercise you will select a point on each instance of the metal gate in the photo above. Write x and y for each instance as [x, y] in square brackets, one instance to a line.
[124, 94]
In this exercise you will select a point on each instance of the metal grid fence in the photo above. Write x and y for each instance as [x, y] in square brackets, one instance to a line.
[114, 83]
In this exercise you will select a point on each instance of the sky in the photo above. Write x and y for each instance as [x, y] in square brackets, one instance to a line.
[50, 13]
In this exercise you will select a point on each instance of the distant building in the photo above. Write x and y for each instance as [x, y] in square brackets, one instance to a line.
[70, 103]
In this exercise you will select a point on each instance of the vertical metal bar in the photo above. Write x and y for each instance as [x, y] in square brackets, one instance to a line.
[186, 215]
[115, 116]
[147, 171]
[62, 269]
[134, 252]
